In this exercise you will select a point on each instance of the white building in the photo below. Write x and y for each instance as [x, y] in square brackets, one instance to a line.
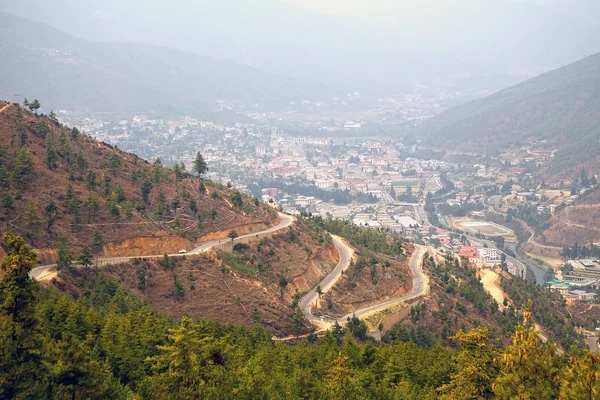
[490, 254]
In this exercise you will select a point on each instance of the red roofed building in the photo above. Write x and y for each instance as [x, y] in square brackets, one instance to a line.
[470, 253]
[516, 171]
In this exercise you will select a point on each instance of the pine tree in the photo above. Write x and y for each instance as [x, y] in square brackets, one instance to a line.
[114, 162]
[35, 106]
[51, 155]
[474, 366]
[582, 380]
[528, 368]
[23, 170]
[72, 204]
[200, 165]
[146, 188]
[76, 374]
[341, 382]
[97, 245]
[19, 128]
[50, 212]
[184, 366]
[4, 178]
[92, 203]
[21, 371]
[86, 257]
[32, 219]
[120, 193]
[64, 261]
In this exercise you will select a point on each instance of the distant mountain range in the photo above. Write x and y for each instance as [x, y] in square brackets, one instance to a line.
[379, 48]
[66, 72]
[561, 107]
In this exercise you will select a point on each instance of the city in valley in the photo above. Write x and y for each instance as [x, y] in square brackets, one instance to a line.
[477, 209]
[300, 199]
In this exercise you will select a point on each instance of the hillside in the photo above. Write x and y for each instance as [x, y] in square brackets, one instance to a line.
[60, 184]
[372, 279]
[458, 300]
[560, 107]
[574, 224]
[108, 344]
[249, 283]
[70, 73]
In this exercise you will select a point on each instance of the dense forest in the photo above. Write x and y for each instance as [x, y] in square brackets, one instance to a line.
[107, 344]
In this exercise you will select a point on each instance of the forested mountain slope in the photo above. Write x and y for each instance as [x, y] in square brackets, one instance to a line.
[125, 78]
[107, 344]
[59, 184]
[560, 106]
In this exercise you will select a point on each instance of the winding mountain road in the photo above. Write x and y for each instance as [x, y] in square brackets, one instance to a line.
[420, 286]
[327, 283]
[285, 220]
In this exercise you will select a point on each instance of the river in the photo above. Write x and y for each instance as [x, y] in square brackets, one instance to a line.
[538, 272]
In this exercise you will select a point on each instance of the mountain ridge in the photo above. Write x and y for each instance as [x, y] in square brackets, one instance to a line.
[72, 73]
[137, 206]
[558, 106]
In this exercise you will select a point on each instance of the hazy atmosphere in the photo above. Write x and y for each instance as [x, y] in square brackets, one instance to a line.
[300, 199]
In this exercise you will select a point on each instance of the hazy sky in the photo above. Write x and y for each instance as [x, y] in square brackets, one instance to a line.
[346, 43]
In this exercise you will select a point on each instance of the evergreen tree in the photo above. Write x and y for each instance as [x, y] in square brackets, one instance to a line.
[35, 106]
[341, 381]
[4, 178]
[19, 128]
[114, 162]
[7, 202]
[23, 170]
[236, 199]
[97, 245]
[52, 116]
[21, 372]
[529, 369]
[120, 193]
[200, 165]
[90, 180]
[31, 218]
[50, 212]
[582, 380]
[64, 255]
[474, 366]
[72, 203]
[51, 155]
[187, 364]
[146, 188]
[86, 257]
[74, 373]
[92, 203]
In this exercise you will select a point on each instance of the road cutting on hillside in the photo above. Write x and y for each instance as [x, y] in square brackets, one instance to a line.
[420, 287]
[420, 284]
[42, 272]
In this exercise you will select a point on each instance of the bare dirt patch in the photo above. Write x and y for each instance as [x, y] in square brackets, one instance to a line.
[208, 290]
[372, 278]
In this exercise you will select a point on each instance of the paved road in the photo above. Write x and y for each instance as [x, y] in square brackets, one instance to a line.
[327, 283]
[592, 342]
[419, 287]
[285, 221]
